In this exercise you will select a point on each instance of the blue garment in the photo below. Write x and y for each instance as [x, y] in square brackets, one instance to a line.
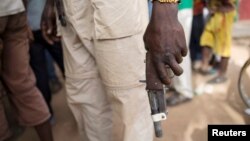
[150, 6]
[35, 10]
[50, 66]
[39, 63]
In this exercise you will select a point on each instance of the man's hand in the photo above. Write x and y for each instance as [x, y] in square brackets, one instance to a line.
[48, 23]
[165, 40]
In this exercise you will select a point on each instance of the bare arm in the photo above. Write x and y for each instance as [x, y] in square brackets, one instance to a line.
[48, 23]
[165, 40]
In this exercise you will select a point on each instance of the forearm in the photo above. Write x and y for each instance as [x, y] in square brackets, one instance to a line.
[164, 10]
[164, 13]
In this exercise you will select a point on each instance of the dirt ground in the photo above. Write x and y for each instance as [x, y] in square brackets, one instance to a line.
[213, 104]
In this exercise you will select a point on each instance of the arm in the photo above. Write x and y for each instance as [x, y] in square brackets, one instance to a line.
[165, 40]
[48, 23]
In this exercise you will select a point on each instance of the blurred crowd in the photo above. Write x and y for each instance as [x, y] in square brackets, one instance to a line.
[31, 65]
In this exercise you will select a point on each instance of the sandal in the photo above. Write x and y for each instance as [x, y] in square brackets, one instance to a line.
[208, 71]
[218, 80]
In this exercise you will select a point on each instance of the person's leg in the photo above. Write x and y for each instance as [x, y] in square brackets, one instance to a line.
[56, 53]
[221, 76]
[224, 41]
[195, 48]
[206, 56]
[4, 127]
[50, 65]
[193, 40]
[121, 65]
[54, 82]
[39, 66]
[223, 44]
[223, 66]
[208, 43]
[85, 93]
[44, 131]
[18, 76]
[183, 84]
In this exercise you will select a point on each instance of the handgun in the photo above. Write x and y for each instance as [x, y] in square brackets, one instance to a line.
[156, 93]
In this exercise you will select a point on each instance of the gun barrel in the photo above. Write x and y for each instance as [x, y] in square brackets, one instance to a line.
[158, 108]
[156, 94]
[158, 129]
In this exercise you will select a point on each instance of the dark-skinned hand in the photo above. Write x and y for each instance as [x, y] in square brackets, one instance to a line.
[48, 23]
[165, 40]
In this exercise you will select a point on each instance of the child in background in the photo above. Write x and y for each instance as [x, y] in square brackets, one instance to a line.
[217, 38]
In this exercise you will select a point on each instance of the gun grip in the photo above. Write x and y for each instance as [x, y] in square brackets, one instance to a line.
[152, 80]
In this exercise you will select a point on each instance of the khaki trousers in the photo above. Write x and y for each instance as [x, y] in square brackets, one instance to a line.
[103, 89]
[104, 61]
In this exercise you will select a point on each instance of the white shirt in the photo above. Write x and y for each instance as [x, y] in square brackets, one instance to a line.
[10, 7]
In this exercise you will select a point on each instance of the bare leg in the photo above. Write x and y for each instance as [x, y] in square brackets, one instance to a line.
[223, 66]
[220, 78]
[44, 131]
[206, 55]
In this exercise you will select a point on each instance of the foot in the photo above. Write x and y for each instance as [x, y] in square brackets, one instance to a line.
[218, 80]
[210, 71]
[176, 99]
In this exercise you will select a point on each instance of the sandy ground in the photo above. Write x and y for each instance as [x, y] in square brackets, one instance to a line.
[217, 104]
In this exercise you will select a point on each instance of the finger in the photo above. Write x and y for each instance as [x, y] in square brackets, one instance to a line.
[176, 68]
[169, 71]
[45, 34]
[184, 50]
[179, 58]
[162, 73]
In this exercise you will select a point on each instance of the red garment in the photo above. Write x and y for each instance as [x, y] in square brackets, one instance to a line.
[198, 7]
[29, 105]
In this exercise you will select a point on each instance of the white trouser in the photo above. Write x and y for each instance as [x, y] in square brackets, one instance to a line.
[183, 84]
[102, 75]
[103, 89]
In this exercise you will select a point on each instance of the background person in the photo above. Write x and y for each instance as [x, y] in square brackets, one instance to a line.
[30, 106]
[217, 37]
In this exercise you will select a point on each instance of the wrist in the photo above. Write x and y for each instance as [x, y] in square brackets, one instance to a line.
[163, 11]
[167, 1]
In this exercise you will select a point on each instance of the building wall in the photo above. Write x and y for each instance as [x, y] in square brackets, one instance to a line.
[244, 10]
